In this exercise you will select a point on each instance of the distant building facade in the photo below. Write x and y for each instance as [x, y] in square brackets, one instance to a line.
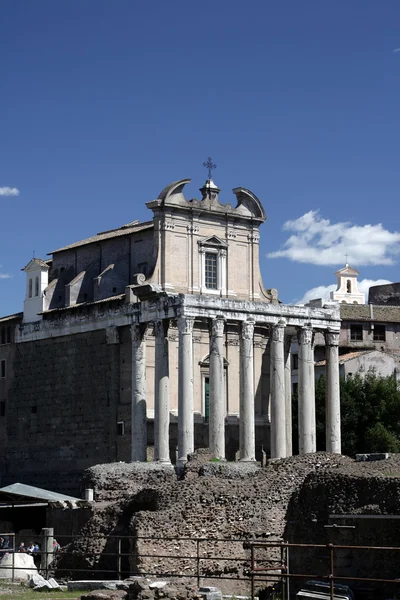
[369, 333]
[150, 340]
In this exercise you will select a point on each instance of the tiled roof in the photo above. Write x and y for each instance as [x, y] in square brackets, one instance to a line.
[11, 317]
[80, 304]
[345, 357]
[105, 235]
[38, 261]
[362, 312]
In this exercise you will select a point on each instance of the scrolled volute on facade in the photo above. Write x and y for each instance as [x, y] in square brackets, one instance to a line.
[139, 278]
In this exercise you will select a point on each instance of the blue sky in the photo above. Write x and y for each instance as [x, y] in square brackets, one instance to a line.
[104, 103]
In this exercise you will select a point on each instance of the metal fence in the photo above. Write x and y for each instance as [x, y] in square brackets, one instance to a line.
[253, 564]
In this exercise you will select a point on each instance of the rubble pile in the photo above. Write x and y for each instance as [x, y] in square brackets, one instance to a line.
[235, 502]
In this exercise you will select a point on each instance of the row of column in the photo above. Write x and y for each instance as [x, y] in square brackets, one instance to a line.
[281, 416]
[281, 401]
[185, 392]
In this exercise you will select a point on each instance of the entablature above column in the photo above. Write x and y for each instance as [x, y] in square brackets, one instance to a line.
[172, 306]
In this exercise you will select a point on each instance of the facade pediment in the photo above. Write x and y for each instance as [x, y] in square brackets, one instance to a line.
[214, 241]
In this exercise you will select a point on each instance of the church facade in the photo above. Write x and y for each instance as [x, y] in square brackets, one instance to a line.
[150, 340]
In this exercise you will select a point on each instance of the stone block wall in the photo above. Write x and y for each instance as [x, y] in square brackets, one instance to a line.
[62, 414]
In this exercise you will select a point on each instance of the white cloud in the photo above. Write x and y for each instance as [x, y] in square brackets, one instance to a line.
[5, 276]
[8, 191]
[324, 291]
[317, 241]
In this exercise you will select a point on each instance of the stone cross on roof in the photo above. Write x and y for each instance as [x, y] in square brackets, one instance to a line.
[210, 166]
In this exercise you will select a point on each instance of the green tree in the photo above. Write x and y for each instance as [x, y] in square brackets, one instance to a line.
[370, 414]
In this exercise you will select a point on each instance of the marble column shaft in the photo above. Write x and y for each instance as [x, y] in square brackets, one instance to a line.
[278, 400]
[306, 393]
[185, 389]
[332, 404]
[138, 395]
[246, 416]
[288, 395]
[161, 393]
[217, 392]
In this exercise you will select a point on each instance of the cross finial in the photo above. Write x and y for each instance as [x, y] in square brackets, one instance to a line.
[347, 256]
[210, 166]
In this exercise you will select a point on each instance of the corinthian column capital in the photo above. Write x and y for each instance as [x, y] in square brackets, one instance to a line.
[332, 338]
[305, 335]
[278, 331]
[217, 327]
[247, 330]
[185, 325]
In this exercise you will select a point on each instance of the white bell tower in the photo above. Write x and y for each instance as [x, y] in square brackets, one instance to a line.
[37, 279]
[347, 290]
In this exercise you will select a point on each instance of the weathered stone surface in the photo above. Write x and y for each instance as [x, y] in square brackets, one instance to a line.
[35, 580]
[372, 456]
[210, 593]
[215, 500]
[90, 585]
[105, 595]
[23, 564]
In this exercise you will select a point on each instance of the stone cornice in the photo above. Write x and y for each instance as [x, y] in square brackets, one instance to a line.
[173, 306]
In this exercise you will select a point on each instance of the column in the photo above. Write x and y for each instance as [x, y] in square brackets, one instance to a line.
[216, 426]
[333, 434]
[185, 389]
[306, 392]
[138, 395]
[288, 394]
[278, 426]
[246, 416]
[161, 393]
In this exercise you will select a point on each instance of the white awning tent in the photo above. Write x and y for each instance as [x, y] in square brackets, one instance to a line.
[22, 493]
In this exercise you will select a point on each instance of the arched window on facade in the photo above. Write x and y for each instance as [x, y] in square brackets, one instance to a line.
[30, 288]
[37, 286]
[348, 286]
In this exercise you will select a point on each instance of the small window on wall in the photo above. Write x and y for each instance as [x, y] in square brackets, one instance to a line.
[30, 288]
[211, 270]
[3, 336]
[120, 428]
[36, 286]
[379, 333]
[2, 369]
[2, 408]
[8, 335]
[356, 333]
[295, 362]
